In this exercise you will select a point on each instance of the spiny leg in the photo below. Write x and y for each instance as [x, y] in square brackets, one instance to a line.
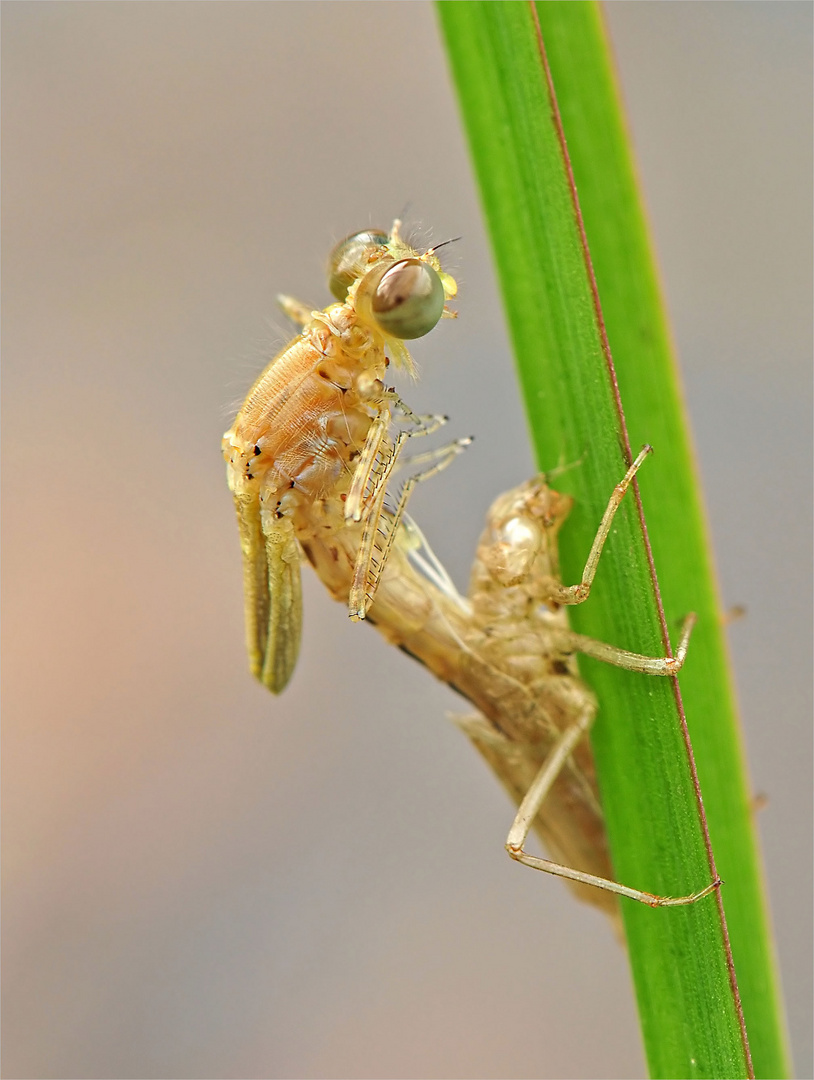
[576, 594]
[532, 804]
[355, 502]
[373, 470]
[445, 456]
[425, 423]
[367, 571]
[361, 591]
[432, 455]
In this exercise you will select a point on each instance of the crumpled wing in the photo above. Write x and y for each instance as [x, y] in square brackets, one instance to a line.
[272, 591]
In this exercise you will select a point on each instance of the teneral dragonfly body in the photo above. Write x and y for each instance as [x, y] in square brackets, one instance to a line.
[312, 446]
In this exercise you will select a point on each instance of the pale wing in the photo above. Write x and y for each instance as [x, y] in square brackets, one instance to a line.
[272, 592]
[285, 603]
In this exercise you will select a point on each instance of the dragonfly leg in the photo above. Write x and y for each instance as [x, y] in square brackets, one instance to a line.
[532, 804]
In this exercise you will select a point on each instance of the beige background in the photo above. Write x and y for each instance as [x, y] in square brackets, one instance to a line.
[201, 880]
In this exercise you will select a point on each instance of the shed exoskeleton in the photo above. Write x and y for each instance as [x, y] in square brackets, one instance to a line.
[508, 649]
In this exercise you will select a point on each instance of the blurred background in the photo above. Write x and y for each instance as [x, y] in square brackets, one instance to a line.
[201, 880]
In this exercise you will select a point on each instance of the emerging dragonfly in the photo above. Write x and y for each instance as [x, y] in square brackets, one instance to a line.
[312, 449]
[309, 458]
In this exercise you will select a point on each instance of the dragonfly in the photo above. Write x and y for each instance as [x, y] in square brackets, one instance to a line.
[313, 448]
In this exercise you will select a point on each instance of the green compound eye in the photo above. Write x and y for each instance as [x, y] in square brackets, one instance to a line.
[349, 259]
[409, 300]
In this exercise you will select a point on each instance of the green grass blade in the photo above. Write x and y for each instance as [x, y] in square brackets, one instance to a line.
[679, 960]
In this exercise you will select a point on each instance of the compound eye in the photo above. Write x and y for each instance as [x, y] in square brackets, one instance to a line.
[350, 259]
[409, 300]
